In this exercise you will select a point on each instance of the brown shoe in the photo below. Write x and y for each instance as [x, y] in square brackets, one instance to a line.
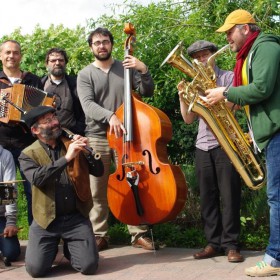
[145, 243]
[207, 252]
[102, 243]
[235, 256]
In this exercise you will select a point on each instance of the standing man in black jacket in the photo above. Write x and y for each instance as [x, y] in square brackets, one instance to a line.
[15, 137]
[69, 110]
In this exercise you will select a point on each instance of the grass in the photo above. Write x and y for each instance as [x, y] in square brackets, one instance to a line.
[22, 212]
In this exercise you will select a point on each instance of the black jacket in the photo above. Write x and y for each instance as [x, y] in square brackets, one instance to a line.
[17, 136]
[77, 108]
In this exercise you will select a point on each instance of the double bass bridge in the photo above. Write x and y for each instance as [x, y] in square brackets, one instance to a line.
[132, 164]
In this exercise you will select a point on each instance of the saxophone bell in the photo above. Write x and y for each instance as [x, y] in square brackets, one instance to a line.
[177, 59]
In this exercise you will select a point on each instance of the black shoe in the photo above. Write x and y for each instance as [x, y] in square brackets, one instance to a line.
[5, 260]
[102, 243]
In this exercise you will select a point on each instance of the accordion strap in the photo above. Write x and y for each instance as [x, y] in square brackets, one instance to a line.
[4, 81]
[23, 75]
[7, 82]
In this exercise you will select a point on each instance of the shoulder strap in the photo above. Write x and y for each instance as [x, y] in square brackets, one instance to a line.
[7, 82]
[4, 81]
[24, 74]
[72, 83]
[44, 79]
[77, 168]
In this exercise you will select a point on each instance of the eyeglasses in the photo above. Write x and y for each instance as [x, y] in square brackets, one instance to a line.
[104, 43]
[49, 120]
[55, 60]
[201, 55]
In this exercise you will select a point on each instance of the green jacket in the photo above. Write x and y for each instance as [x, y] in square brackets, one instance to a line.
[43, 199]
[262, 93]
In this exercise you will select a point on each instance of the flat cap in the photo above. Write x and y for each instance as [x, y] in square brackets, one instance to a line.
[34, 114]
[200, 46]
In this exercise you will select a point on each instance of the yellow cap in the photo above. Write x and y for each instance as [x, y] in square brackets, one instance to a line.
[236, 17]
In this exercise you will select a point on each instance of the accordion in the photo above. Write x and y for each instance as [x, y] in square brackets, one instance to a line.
[19, 99]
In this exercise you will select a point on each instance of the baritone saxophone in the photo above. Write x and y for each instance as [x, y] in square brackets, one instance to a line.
[218, 117]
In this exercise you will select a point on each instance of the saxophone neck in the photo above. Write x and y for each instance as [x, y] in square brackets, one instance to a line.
[211, 59]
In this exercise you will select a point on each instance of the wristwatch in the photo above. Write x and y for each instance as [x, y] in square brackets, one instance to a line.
[225, 93]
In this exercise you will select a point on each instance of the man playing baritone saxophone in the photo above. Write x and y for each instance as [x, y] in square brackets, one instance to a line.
[61, 198]
[257, 84]
[217, 177]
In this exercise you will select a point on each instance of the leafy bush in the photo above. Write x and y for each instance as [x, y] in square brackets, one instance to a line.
[160, 27]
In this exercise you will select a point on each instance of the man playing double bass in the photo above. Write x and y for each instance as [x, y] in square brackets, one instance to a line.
[100, 88]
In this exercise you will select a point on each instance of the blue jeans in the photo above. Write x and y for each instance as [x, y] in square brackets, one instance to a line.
[9, 246]
[272, 254]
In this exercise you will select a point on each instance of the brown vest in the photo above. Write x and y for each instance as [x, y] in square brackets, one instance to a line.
[43, 199]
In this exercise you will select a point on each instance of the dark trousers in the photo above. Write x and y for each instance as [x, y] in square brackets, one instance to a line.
[220, 195]
[76, 232]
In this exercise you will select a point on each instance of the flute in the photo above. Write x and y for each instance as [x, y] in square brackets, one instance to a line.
[69, 134]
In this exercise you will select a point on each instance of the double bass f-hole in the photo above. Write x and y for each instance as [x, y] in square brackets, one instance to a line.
[126, 165]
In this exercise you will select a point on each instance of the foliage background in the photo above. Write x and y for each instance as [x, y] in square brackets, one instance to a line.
[160, 27]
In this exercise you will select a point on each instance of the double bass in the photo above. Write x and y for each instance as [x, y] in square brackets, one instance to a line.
[145, 188]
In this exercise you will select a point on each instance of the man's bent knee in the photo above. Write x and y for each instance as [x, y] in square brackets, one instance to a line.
[90, 268]
[35, 272]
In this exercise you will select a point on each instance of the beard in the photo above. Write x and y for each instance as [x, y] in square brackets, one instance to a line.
[102, 57]
[51, 133]
[57, 72]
